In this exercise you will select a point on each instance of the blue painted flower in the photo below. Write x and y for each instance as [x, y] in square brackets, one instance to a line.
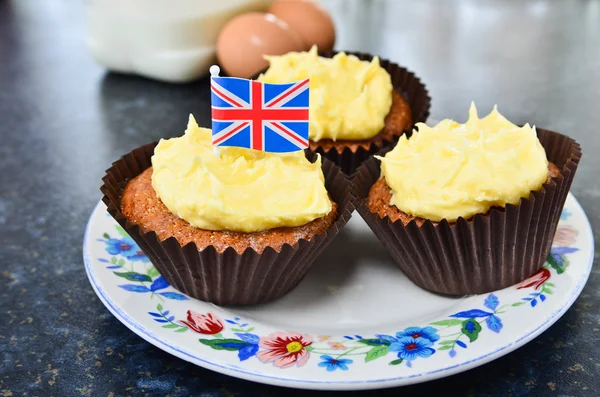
[470, 327]
[409, 348]
[139, 256]
[417, 332]
[125, 246]
[334, 363]
[558, 252]
[251, 347]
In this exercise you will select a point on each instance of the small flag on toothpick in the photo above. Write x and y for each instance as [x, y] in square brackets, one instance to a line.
[259, 116]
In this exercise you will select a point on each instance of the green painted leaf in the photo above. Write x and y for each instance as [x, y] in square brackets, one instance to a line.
[106, 236]
[448, 323]
[237, 330]
[557, 266]
[133, 276]
[224, 344]
[518, 303]
[374, 342]
[170, 326]
[121, 231]
[113, 260]
[121, 262]
[550, 285]
[548, 291]
[159, 307]
[447, 342]
[182, 329]
[250, 329]
[376, 352]
[396, 362]
[471, 328]
[565, 265]
[152, 272]
[309, 348]
[447, 347]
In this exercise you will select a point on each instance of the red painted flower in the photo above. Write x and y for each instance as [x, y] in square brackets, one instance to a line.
[539, 278]
[284, 349]
[208, 324]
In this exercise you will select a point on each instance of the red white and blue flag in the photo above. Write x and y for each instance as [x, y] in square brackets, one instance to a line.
[259, 116]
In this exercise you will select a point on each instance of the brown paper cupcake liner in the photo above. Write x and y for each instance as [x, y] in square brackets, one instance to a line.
[408, 85]
[226, 278]
[486, 252]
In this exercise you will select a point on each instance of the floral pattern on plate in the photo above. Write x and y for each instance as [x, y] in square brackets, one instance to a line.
[292, 349]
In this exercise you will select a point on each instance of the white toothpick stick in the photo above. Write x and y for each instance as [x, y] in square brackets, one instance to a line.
[214, 72]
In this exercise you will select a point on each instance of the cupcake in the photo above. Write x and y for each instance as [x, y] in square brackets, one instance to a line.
[358, 103]
[468, 208]
[234, 226]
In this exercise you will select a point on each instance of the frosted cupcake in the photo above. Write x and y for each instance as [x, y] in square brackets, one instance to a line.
[469, 208]
[236, 226]
[358, 104]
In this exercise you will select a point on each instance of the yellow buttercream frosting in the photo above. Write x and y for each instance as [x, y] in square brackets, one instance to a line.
[457, 170]
[237, 189]
[349, 98]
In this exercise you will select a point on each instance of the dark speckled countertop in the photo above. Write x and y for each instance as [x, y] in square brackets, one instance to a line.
[63, 120]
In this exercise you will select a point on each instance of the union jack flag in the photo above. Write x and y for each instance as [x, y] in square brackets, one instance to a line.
[259, 116]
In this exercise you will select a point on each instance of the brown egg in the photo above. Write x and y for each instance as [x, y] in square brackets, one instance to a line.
[311, 21]
[246, 38]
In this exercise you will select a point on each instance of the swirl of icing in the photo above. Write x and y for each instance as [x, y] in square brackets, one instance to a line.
[457, 170]
[349, 98]
[238, 189]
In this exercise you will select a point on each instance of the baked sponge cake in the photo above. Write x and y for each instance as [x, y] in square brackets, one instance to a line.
[141, 205]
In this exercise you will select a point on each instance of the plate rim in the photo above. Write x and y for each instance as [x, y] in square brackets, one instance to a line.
[311, 384]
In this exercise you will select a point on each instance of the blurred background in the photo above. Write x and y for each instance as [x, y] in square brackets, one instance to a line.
[64, 117]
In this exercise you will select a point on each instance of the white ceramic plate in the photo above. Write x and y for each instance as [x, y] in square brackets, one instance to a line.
[355, 322]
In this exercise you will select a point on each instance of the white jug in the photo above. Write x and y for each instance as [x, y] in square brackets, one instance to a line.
[168, 40]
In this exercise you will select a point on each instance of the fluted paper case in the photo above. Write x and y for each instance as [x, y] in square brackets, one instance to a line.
[486, 252]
